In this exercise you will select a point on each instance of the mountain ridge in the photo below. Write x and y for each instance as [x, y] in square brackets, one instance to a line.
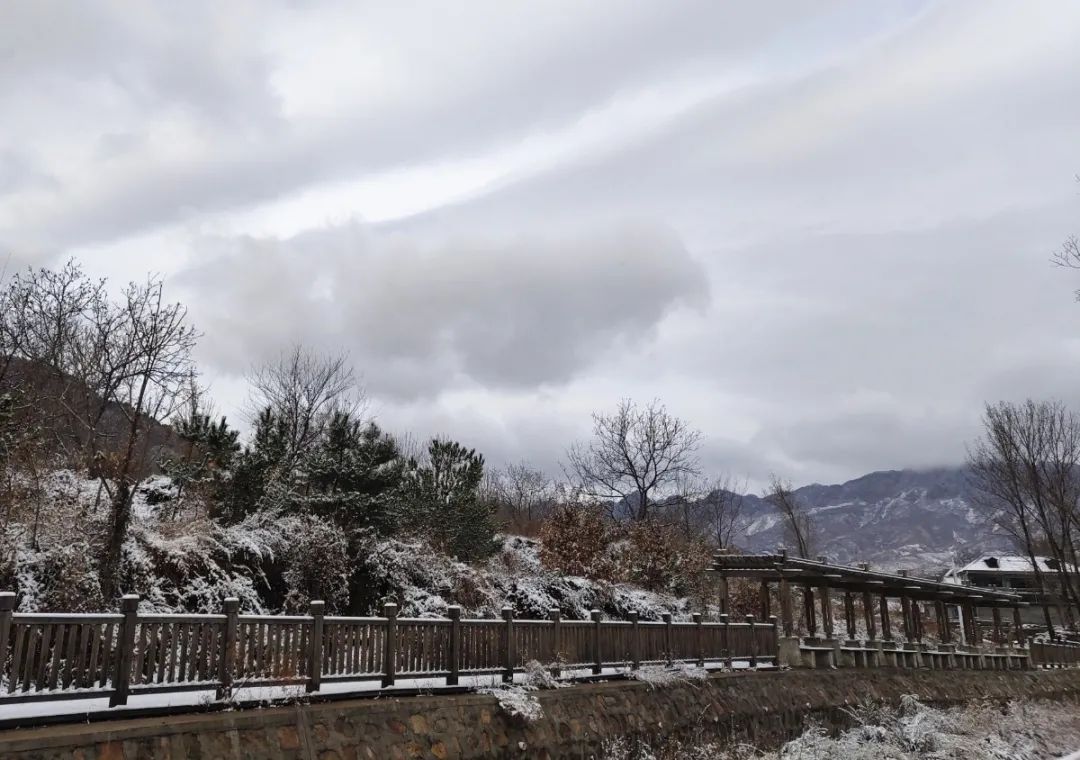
[920, 519]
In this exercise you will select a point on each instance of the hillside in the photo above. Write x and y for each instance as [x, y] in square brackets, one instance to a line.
[896, 518]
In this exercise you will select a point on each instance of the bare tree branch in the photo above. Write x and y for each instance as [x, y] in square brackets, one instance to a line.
[637, 455]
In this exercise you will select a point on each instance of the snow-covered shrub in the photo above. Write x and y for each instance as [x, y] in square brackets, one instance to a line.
[518, 700]
[318, 566]
[574, 540]
[538, 676]
[660, 676]
[65, 579]
[658, 557]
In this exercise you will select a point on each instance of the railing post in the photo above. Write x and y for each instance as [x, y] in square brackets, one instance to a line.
[390, 612]
[635, 641]
[508, 644]
[666, 617]
[129, 606]
[228, 648]
[317, 610]
[753, 641]
[7, 609]
[556, 640]
[454, 613]
[726, 622]
[699, 639]
[598, 663]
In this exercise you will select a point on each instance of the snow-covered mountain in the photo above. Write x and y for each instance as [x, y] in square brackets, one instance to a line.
[894, 519]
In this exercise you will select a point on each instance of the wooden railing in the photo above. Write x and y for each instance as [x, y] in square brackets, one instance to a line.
[1054, 654]
[56, 656]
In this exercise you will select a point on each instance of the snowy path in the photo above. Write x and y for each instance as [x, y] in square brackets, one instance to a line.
[29, 713]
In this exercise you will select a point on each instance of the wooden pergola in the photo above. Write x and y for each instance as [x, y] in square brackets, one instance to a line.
[873, 588]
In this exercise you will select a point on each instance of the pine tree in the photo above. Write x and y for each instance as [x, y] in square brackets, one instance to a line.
[353, 475]
[443, 500]
[254, 470]
[210, 449]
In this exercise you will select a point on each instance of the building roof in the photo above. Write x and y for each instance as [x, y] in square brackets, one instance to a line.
[1010, 563]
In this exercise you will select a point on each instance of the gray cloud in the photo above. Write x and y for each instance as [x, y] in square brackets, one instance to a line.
[849, 206]
[203, 62]
[514, 313]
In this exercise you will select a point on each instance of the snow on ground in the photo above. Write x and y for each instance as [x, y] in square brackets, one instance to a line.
[530, 680]
[911, 731]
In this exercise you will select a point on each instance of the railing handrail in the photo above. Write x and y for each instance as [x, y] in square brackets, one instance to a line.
[65, 655]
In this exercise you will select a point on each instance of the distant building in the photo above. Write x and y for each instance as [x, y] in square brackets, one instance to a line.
[1010, 572]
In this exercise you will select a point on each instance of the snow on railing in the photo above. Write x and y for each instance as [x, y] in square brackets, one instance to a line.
[63, 656]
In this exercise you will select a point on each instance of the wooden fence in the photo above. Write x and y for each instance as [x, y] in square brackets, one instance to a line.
[57, 656]
[1054, 654]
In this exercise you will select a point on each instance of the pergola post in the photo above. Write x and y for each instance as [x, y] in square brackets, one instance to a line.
[886, 624]
[826, 611]
[995, 634]
[905, 611]
[787, 615]
[974, 636]
[944, 632]
[868, 614]
[808, 610]
[1018, 628]
[723, 594]
[849, 614]
[764, 602]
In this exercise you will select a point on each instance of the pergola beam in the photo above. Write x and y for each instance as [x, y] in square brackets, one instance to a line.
[809, 573]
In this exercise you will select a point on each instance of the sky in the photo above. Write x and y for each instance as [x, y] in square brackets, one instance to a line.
[819, 231]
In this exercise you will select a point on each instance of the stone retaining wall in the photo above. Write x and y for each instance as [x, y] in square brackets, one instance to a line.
[762, 707]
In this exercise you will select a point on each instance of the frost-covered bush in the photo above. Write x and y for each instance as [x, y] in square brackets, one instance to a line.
[909, 731]
[61, 579]
[658, 557]
[574, 540]
[660, 676]
[579, 540]
[424, 582]
[518, 700]
[318, 566]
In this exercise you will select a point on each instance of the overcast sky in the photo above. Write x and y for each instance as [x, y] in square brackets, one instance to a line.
[818, 230]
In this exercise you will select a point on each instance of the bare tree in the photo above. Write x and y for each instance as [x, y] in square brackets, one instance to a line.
[304, 390]
[637, 456]
[1026, 474]
[722, 510]
[799, 528]
[50, 324]
[523, 492]
[150, 389]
